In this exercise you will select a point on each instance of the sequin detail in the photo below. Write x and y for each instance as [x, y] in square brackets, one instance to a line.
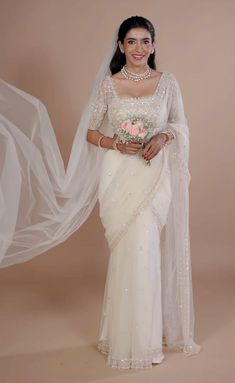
[148, 197]
[152, 356]
[167, 108]
[146, 107]
[119, 109]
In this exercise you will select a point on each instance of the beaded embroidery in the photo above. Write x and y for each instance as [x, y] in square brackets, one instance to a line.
[121, 108]
[152, 356]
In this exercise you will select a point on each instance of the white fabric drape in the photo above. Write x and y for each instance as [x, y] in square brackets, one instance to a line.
[41, 204]
[134, 201]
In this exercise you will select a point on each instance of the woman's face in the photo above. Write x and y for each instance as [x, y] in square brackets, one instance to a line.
[137, 46]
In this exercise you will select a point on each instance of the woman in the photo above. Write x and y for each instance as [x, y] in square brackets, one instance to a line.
[135, 200]
[131, 152]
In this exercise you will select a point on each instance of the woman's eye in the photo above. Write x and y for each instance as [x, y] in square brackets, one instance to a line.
[131, 42]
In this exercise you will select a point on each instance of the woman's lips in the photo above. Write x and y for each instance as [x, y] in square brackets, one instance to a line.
[138, 57]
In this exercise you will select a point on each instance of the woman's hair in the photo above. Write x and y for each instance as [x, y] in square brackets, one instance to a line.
[119, 59]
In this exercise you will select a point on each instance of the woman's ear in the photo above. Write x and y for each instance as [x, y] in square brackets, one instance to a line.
[120, 46]
[153, 48]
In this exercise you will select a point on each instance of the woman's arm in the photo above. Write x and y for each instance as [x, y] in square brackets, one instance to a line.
[99, 110]
[176, 117]
[94, 136]
[97, 138]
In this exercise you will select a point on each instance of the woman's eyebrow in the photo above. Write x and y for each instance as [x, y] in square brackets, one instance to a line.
[133, 38]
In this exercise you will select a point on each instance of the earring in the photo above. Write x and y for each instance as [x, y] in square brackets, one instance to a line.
[122, 51]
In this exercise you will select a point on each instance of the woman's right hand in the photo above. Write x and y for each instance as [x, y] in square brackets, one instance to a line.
[129, 148]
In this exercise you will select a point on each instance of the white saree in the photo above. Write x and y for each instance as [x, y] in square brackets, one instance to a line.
[144, 210]
[148, 298]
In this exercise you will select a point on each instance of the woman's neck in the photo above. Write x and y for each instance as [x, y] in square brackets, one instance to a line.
[136, 68]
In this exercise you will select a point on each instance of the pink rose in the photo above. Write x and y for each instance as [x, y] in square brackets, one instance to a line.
[126, 125]
[134, 130]
[139, 123]
[142, 132]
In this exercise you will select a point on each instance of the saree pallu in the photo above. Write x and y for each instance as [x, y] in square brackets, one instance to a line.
[134, 201]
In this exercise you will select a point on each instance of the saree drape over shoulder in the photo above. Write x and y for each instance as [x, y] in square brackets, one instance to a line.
[148, 299]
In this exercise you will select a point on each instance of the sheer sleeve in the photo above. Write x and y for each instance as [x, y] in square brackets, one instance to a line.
[100, 106]
[175, 107]
[177, 123]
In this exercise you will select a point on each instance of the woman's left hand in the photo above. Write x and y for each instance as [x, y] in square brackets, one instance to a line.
[153, 147]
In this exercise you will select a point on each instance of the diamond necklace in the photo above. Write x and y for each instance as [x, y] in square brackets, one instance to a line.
[135, 76]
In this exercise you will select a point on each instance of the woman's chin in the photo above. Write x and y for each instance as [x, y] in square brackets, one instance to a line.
[138, 63]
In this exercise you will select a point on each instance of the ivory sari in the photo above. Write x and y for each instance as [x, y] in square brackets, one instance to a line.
[144, 210]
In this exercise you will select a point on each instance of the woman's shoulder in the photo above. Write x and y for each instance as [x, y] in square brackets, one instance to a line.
[170, 79]
[105, 86]
[167, 78]
[169, 75]
[105, 83]
[117, 75]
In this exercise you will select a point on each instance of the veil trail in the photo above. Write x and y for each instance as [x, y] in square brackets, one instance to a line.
[41, 204]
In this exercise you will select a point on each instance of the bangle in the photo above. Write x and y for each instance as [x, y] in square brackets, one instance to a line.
[171, 134]
[115, 142]
[99, 142]
[170, 137]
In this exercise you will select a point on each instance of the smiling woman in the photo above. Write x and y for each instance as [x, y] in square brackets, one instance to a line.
[134, 117]
[144, 210]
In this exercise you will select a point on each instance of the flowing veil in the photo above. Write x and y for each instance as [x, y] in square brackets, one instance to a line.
[41, 204]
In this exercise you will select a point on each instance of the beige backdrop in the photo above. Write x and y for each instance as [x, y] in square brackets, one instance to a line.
[52, 49]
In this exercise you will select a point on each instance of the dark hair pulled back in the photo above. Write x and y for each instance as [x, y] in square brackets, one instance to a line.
[119, 59]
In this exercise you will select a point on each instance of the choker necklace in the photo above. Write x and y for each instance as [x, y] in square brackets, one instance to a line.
[135, 76]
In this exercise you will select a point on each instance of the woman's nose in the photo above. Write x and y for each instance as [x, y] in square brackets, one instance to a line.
[138, 46]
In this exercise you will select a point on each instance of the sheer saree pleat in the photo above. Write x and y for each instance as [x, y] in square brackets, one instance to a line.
[178, 307]
[134, 200]
[127, 189]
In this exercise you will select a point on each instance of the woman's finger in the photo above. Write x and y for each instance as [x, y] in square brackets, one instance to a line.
[147, 148]
[152, 151]
[152, 154]
[149, 154]
[128, 149]
[134, 145]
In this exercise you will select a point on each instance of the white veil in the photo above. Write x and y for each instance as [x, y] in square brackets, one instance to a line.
[41, 204]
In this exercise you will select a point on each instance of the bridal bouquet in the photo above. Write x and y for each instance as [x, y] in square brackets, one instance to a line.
[134, 129]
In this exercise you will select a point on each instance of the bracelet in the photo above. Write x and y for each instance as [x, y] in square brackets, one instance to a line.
[171, 134]
[99, 142]
[115, 142]
[170, 137]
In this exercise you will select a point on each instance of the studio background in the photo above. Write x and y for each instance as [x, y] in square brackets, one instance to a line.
[50, 306]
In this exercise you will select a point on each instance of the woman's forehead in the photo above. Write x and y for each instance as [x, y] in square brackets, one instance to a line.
[138, 33]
